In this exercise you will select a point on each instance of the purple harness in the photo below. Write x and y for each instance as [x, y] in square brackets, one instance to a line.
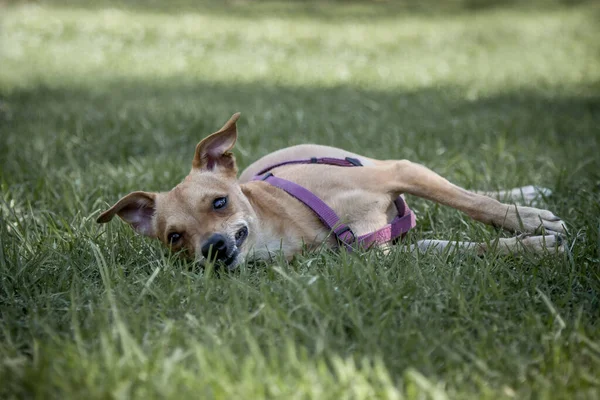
[402, 223]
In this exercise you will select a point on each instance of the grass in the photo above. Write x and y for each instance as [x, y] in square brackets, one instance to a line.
[100, 99]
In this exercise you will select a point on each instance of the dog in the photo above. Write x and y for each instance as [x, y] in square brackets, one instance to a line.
[306, 196]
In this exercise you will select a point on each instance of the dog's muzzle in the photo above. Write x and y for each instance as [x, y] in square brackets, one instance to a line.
[222, 249]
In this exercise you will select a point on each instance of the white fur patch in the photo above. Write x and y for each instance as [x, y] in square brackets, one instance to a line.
[531, 195]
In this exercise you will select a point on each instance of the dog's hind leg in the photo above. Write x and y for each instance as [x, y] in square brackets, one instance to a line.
[407, 177]
[536, 244]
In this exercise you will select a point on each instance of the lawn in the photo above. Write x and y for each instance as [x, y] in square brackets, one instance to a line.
[98, 99]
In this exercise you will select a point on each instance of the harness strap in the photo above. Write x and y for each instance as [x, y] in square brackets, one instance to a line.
[346, 162]
[327, 216]
[402, 223]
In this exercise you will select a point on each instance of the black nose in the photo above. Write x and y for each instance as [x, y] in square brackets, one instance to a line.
[216, 247]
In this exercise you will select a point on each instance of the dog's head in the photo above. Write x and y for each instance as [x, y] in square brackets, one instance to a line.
[206, 215]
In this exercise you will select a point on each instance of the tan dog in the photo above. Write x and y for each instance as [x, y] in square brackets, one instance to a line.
[214, 214]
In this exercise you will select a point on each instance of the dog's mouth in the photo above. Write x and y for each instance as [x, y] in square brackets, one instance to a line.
[241, 236]
[229, 262]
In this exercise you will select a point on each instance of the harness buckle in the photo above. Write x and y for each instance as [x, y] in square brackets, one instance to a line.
[266, 176]
[354, 161]
[341, 231]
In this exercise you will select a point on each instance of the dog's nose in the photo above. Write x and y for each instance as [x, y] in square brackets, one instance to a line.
[215, 247]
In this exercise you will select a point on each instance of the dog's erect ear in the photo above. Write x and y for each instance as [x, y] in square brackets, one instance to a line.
[212, 153]
[136, 209]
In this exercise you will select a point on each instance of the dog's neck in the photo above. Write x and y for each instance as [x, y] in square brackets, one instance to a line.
[282, 222]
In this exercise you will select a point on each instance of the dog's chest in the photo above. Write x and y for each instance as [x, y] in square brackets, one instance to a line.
[287, 240]
[363, 210]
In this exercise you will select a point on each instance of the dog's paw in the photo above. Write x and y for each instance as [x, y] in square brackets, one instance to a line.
[533, 220]
[540, 244]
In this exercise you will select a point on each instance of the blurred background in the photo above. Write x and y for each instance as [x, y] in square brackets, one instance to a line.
[101, 81]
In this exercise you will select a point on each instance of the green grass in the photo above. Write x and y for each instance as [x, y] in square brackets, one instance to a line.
[100, 99]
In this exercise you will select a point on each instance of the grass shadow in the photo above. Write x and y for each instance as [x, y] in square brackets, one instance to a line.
[313, 9]
[128, 119]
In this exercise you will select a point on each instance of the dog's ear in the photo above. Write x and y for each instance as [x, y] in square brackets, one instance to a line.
[136, 209]
[212, 153]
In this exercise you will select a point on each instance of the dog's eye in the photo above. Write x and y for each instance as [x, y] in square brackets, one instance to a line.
[173, 237]
[219, 202]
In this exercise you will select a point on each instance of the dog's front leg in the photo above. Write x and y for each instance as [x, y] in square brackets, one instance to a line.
[415, 179]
